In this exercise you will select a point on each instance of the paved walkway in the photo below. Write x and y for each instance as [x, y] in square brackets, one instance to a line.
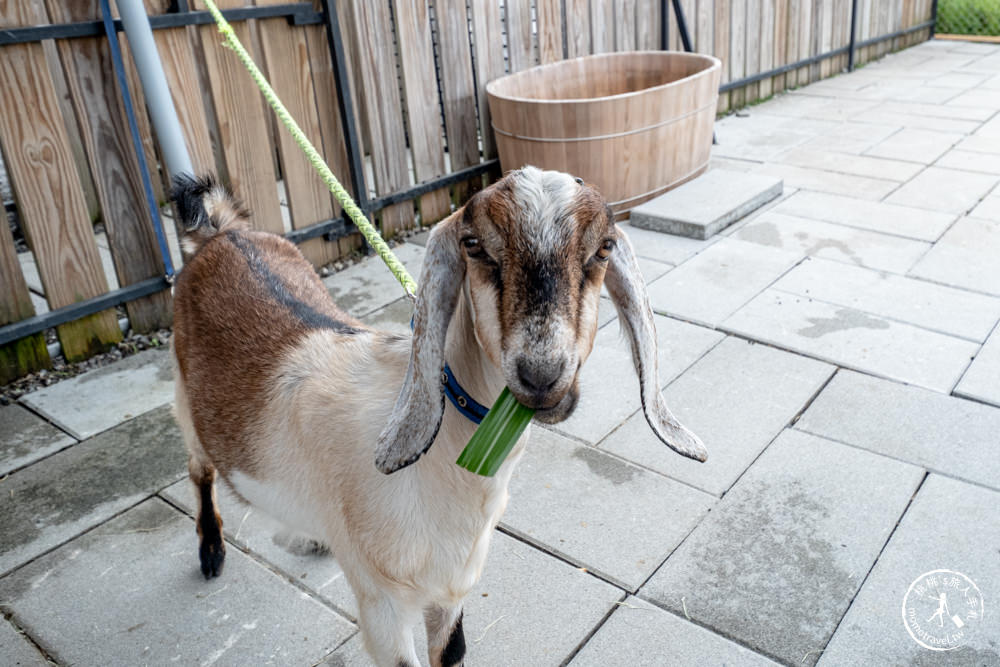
[838, 353]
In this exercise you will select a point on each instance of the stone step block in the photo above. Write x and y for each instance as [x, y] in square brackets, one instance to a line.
[701, 208]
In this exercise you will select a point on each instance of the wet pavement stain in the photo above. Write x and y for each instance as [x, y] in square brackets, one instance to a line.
[844, 320]
[604, 466]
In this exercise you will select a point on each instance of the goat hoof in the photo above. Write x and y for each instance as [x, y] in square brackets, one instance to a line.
[212, 555]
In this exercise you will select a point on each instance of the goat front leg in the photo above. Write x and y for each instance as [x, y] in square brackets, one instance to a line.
[387, 628]
[445, 637]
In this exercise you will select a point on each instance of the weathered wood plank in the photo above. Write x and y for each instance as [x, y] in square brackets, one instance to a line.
[625, 25]
[647, 26]
[487, 27]
[457, 90]
[330, 124]
[286, 56]
[781, 41]
[520, 47]
[550, 33]
[382, 106]
[753, 48]
[766, 60]
[704, 29]
[28, 354]
[602, 21]
[737, 51]
[413, 34]
[50, 200]
[243, 123]
[722, 41]
[578, 42]
[106, 135]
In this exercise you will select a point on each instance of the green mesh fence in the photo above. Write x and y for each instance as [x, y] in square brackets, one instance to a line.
[968, 17]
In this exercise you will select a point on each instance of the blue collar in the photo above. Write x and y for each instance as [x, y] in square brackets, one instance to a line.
[473, 411]
[463, 402]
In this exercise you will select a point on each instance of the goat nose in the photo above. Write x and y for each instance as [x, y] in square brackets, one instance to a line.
[539, 376]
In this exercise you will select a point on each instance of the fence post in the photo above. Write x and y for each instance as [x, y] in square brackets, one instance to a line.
[934, 8]
[854, 30]
[345, 104]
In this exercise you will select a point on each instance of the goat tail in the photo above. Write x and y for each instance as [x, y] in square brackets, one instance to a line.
[206, 208]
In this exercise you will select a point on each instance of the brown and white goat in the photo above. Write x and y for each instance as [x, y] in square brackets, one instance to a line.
[303, 409]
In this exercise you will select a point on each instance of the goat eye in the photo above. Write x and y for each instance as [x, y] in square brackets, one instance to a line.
[472, 246]
[605, 250]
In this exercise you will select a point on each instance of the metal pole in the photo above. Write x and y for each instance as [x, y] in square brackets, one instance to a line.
[345, 103]
[682, 27]
[934, 7]
[854, 31]
[154, 85]
[664, 25]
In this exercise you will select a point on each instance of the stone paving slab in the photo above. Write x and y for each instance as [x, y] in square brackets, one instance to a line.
[87, 484]
[966, 256]
[737, 398]
[980, 144]
[950, 525]
[982, 380]
[914, 223]
[27, 438]
[918, 121]
[949, 190]
[989, 207]
[853, 138]
[843, 163]
[804, 178]
[935, 307]
[639, 634]
[942, 433]
[16, 650]
[703, 207]
[915, 145]
[102, 398]
[369, 285]
[987, 101]
[986, 163]
[528, 609]
[948, 110]
[778, 561]
[394, 317]
[129, 593]
[854, 339]
[808, 106]
[609, 389]
[833, 241]
[266, 540]
[713, 285]
[761, 136]
[663, 247]
[609, 516]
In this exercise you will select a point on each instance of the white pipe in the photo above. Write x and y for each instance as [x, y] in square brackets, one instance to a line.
[154, 85]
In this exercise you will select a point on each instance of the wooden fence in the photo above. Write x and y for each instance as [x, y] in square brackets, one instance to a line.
[416, 70]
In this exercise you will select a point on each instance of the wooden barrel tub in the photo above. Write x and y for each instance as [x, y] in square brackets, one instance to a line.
[634, 124]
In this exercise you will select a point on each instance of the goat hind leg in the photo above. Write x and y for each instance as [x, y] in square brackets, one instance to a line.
[445, 636]
[211, 546]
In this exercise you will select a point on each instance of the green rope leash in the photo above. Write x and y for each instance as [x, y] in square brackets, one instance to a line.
[371, 234]
[507, 419]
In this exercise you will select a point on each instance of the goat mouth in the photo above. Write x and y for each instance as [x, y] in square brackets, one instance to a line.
[561, 410]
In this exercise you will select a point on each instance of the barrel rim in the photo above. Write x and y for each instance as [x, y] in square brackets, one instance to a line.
[712, 64]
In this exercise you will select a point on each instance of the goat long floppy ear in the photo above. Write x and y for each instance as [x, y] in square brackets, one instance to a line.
[420, 406]
[628, 291]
